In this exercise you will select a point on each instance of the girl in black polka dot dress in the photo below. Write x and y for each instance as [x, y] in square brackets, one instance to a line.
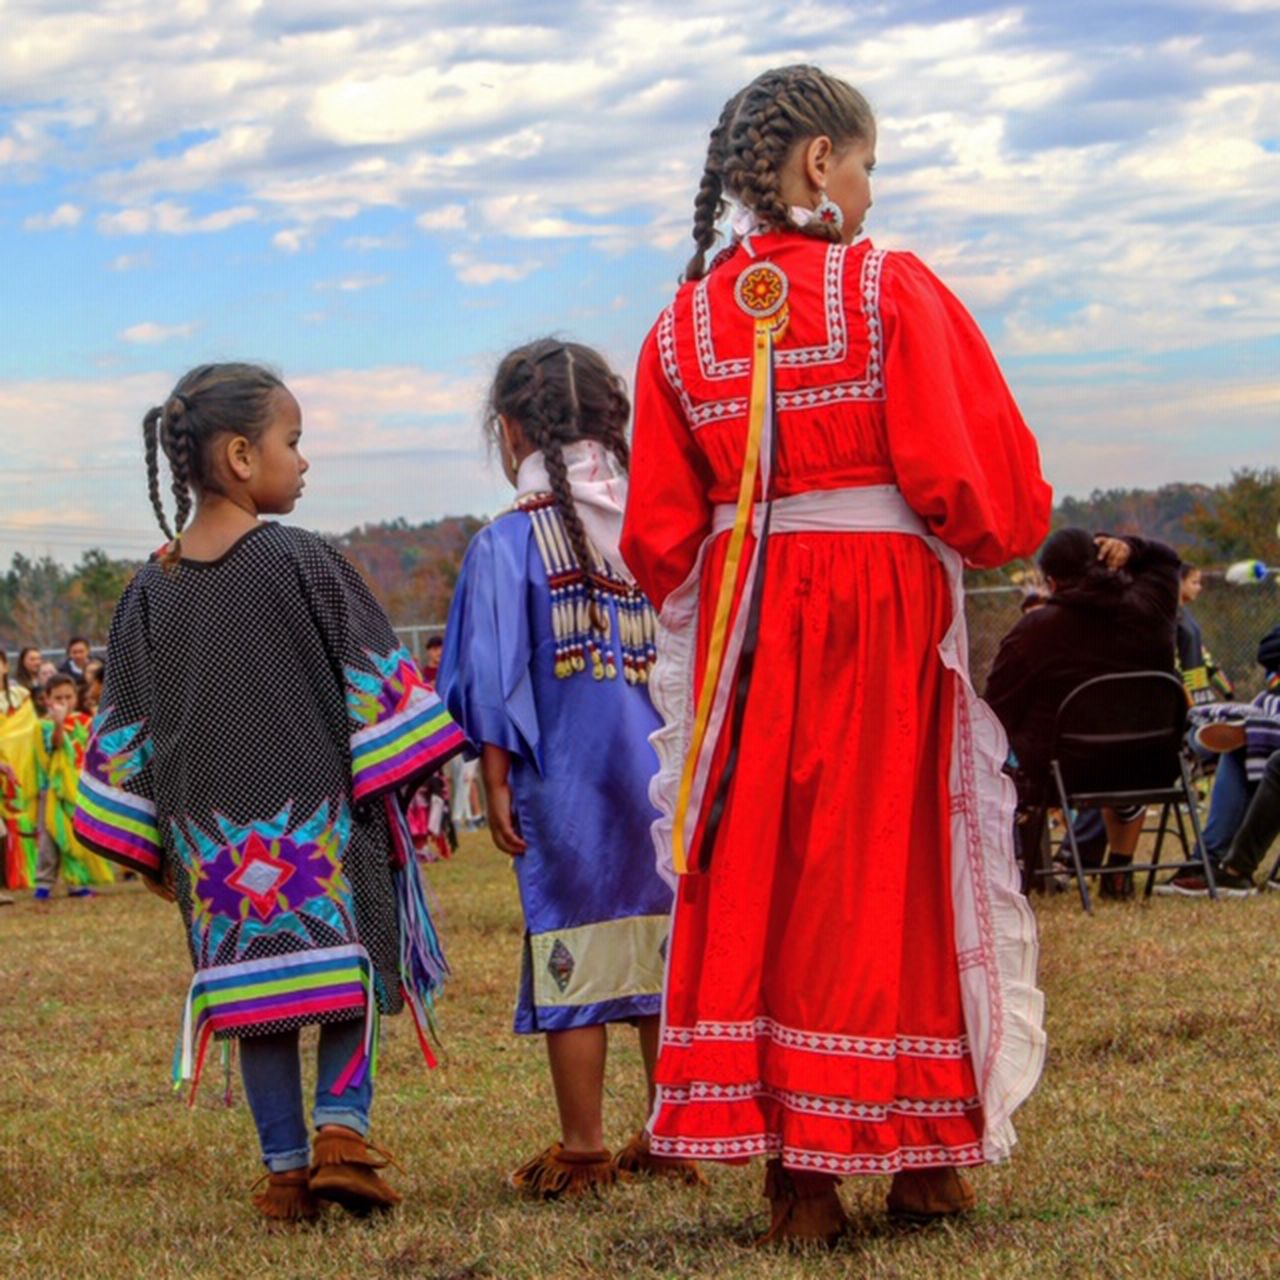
[258, 722]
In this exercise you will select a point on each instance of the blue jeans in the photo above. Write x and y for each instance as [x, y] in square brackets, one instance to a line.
[1228, 804]
[272, 1070]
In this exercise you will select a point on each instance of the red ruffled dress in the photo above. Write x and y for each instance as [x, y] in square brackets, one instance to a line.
[851, 977]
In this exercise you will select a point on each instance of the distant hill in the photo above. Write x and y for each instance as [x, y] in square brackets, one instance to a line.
[1150, 513]
[412, 568]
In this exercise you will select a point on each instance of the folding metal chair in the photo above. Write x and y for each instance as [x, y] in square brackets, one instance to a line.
[1118, 742]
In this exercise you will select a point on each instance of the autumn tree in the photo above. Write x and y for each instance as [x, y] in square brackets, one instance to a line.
[1237, 521]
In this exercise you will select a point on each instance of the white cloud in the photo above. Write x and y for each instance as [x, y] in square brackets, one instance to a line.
[148, 333]
[168, 218]
[526, 216]
[65, 215]
[472, 270]
[448, 217]
[291, 239]
[1089, 183]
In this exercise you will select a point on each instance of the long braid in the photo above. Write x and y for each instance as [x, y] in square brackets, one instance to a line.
[555, 414]
[150, 435]
[755, 158]
[708, 204]
[558, 473]
[176, 434]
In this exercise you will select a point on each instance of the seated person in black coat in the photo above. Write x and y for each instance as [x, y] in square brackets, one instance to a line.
[1112, 607]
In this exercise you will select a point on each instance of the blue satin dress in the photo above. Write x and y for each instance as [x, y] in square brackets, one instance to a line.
[596, 911]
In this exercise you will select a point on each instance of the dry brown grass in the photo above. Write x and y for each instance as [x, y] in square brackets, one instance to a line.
[1149, 1151]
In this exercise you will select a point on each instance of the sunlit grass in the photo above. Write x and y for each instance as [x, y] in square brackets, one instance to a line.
[1149, 1151]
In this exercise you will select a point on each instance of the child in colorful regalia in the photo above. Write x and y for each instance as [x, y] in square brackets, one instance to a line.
[258, 718]
[546, 659]
[19, 780]
[61, 748]
[822, 441]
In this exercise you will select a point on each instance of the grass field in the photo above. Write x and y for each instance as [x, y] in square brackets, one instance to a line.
[1149, 1151]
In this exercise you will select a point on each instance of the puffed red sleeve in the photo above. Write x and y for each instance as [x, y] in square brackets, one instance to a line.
[965, 460]
[668, 512]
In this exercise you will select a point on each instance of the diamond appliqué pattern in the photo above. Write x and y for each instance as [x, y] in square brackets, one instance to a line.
[560, 965]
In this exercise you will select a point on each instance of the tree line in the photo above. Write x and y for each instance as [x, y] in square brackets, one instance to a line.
[413, 568]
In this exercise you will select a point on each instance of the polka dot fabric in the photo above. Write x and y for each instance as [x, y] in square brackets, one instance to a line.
[234, 689]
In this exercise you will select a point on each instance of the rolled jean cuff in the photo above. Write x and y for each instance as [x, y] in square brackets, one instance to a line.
[344, 1116]
[284, 1161]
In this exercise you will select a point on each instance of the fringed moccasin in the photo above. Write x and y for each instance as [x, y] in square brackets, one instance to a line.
[344, 1169]
[805, 1205]
[636, 1160]
[286, 1197]
[557, 1174]
[920, 1196]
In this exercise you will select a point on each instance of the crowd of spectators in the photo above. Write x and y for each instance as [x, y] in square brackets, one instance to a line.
[1109, 606]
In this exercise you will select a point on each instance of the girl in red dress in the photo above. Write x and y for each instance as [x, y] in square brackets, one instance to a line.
[823, 440]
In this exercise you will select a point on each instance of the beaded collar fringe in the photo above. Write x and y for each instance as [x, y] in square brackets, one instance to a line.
[583, 635]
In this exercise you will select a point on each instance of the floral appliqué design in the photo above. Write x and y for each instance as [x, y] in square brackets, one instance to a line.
[267, 878]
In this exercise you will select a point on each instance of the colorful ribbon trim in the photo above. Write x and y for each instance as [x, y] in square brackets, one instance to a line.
[759, 414]
[407, 744]
[236, 998]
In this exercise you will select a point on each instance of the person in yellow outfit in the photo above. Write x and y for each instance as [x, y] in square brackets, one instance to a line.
[19, 786]
[61, 750]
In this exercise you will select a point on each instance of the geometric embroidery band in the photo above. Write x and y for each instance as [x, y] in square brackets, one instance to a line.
[823, 1042]
[762, 1144]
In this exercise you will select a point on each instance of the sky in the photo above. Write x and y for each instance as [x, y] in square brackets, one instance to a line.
[379, 199]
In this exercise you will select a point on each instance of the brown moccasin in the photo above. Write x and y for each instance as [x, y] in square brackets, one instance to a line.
[344, 1169]
[286, 1197]
[924, 1195]
[805, 1205]
[635, 1159]
[557, 1174]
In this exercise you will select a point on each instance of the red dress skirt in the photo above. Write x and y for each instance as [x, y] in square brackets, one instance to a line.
[816, 1006]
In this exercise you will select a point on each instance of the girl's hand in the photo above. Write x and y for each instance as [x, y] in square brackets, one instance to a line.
[504, 830]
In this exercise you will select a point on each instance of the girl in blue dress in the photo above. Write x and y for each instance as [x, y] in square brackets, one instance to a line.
[546, 660]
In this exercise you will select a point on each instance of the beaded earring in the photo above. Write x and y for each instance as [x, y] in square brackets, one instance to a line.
[828, 211]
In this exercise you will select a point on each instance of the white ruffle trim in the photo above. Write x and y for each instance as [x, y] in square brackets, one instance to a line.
[996, 939]
[671, 691]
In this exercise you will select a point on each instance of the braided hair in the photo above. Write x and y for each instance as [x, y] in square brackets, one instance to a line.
[755, 134]
[559, 393]
[210, 401]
